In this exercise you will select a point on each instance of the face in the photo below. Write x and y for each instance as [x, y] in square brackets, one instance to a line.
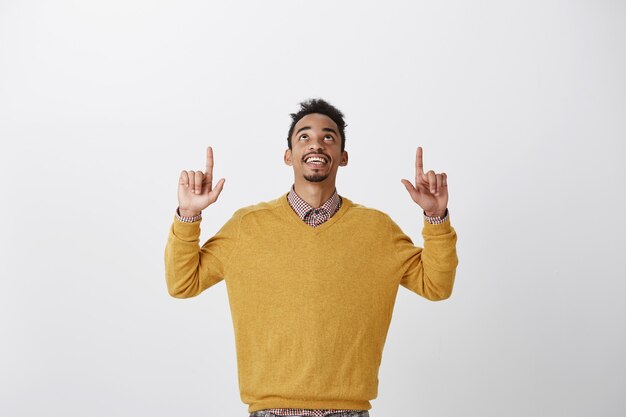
[316, 135]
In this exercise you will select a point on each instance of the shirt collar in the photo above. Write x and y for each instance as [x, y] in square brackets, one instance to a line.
[301, 207]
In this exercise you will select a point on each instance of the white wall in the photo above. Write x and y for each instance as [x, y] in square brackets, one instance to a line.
[522, 104]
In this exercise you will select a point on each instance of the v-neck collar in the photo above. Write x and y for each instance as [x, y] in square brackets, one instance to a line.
[346, 204]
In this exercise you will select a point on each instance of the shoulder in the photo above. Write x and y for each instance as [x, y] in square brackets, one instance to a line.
[260, 208]
[365, 212]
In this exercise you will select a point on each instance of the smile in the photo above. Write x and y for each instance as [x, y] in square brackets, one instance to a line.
[316, 161]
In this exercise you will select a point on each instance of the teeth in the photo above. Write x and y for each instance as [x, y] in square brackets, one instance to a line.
[316, 159]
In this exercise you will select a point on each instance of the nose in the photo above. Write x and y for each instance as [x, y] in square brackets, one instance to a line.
[316, 143]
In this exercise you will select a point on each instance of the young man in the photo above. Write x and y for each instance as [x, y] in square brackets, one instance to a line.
[311, 276]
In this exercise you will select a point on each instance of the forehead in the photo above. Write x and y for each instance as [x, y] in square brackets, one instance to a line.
[316, 120]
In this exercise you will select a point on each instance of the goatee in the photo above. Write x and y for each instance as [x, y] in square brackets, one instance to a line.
[316, 177]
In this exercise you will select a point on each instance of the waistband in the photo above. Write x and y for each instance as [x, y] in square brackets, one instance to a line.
[362, 413]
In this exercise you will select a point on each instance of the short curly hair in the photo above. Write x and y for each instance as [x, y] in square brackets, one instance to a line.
[318, 105]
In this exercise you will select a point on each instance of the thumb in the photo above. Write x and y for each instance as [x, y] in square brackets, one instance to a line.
[219, 186]
[407, 184]
[411, 189]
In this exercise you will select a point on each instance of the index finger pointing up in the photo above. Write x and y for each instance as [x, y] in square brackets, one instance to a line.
[419, 164]
[209, 161]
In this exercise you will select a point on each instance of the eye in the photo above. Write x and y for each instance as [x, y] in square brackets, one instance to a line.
[303, 135]
[329, 137]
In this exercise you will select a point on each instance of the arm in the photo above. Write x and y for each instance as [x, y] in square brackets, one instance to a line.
[428, 271]
[191, 269]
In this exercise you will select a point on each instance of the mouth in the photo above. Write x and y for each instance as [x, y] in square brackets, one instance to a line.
[316, 161]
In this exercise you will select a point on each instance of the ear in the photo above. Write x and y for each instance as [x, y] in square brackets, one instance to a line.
[344, 159]
[287, 157]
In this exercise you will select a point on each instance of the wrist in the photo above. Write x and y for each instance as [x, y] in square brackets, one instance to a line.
[188, 213]
[435, 214]
[441, 218]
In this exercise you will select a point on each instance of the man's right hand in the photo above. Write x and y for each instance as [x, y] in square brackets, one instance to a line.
[195, 188]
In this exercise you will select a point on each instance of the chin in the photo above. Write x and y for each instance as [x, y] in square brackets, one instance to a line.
[315, 178]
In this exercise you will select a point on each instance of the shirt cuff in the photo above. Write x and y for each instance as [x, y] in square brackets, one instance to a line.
[184, 219]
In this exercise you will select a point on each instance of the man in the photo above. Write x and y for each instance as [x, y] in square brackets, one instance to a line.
[311, 276]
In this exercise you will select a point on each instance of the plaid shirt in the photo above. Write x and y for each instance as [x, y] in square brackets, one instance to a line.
[310, 215]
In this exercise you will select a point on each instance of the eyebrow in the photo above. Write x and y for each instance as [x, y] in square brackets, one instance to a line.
[325, 129]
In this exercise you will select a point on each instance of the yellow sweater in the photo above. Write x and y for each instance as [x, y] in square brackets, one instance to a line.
[311, 307]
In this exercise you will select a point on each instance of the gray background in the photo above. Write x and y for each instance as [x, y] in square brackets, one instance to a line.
[522, 104]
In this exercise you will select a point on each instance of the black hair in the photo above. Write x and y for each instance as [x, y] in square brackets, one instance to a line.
[317, 105]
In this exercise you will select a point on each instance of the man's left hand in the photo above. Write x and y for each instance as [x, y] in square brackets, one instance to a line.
[430, 191]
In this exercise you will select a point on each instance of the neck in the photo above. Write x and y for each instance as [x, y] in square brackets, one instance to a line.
[314, 193]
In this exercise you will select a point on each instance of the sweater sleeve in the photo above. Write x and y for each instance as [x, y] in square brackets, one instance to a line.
[191, 269]
[427, 271]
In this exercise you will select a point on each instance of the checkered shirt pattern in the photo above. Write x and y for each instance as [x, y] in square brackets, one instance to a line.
[310, 215]
[302, 412]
